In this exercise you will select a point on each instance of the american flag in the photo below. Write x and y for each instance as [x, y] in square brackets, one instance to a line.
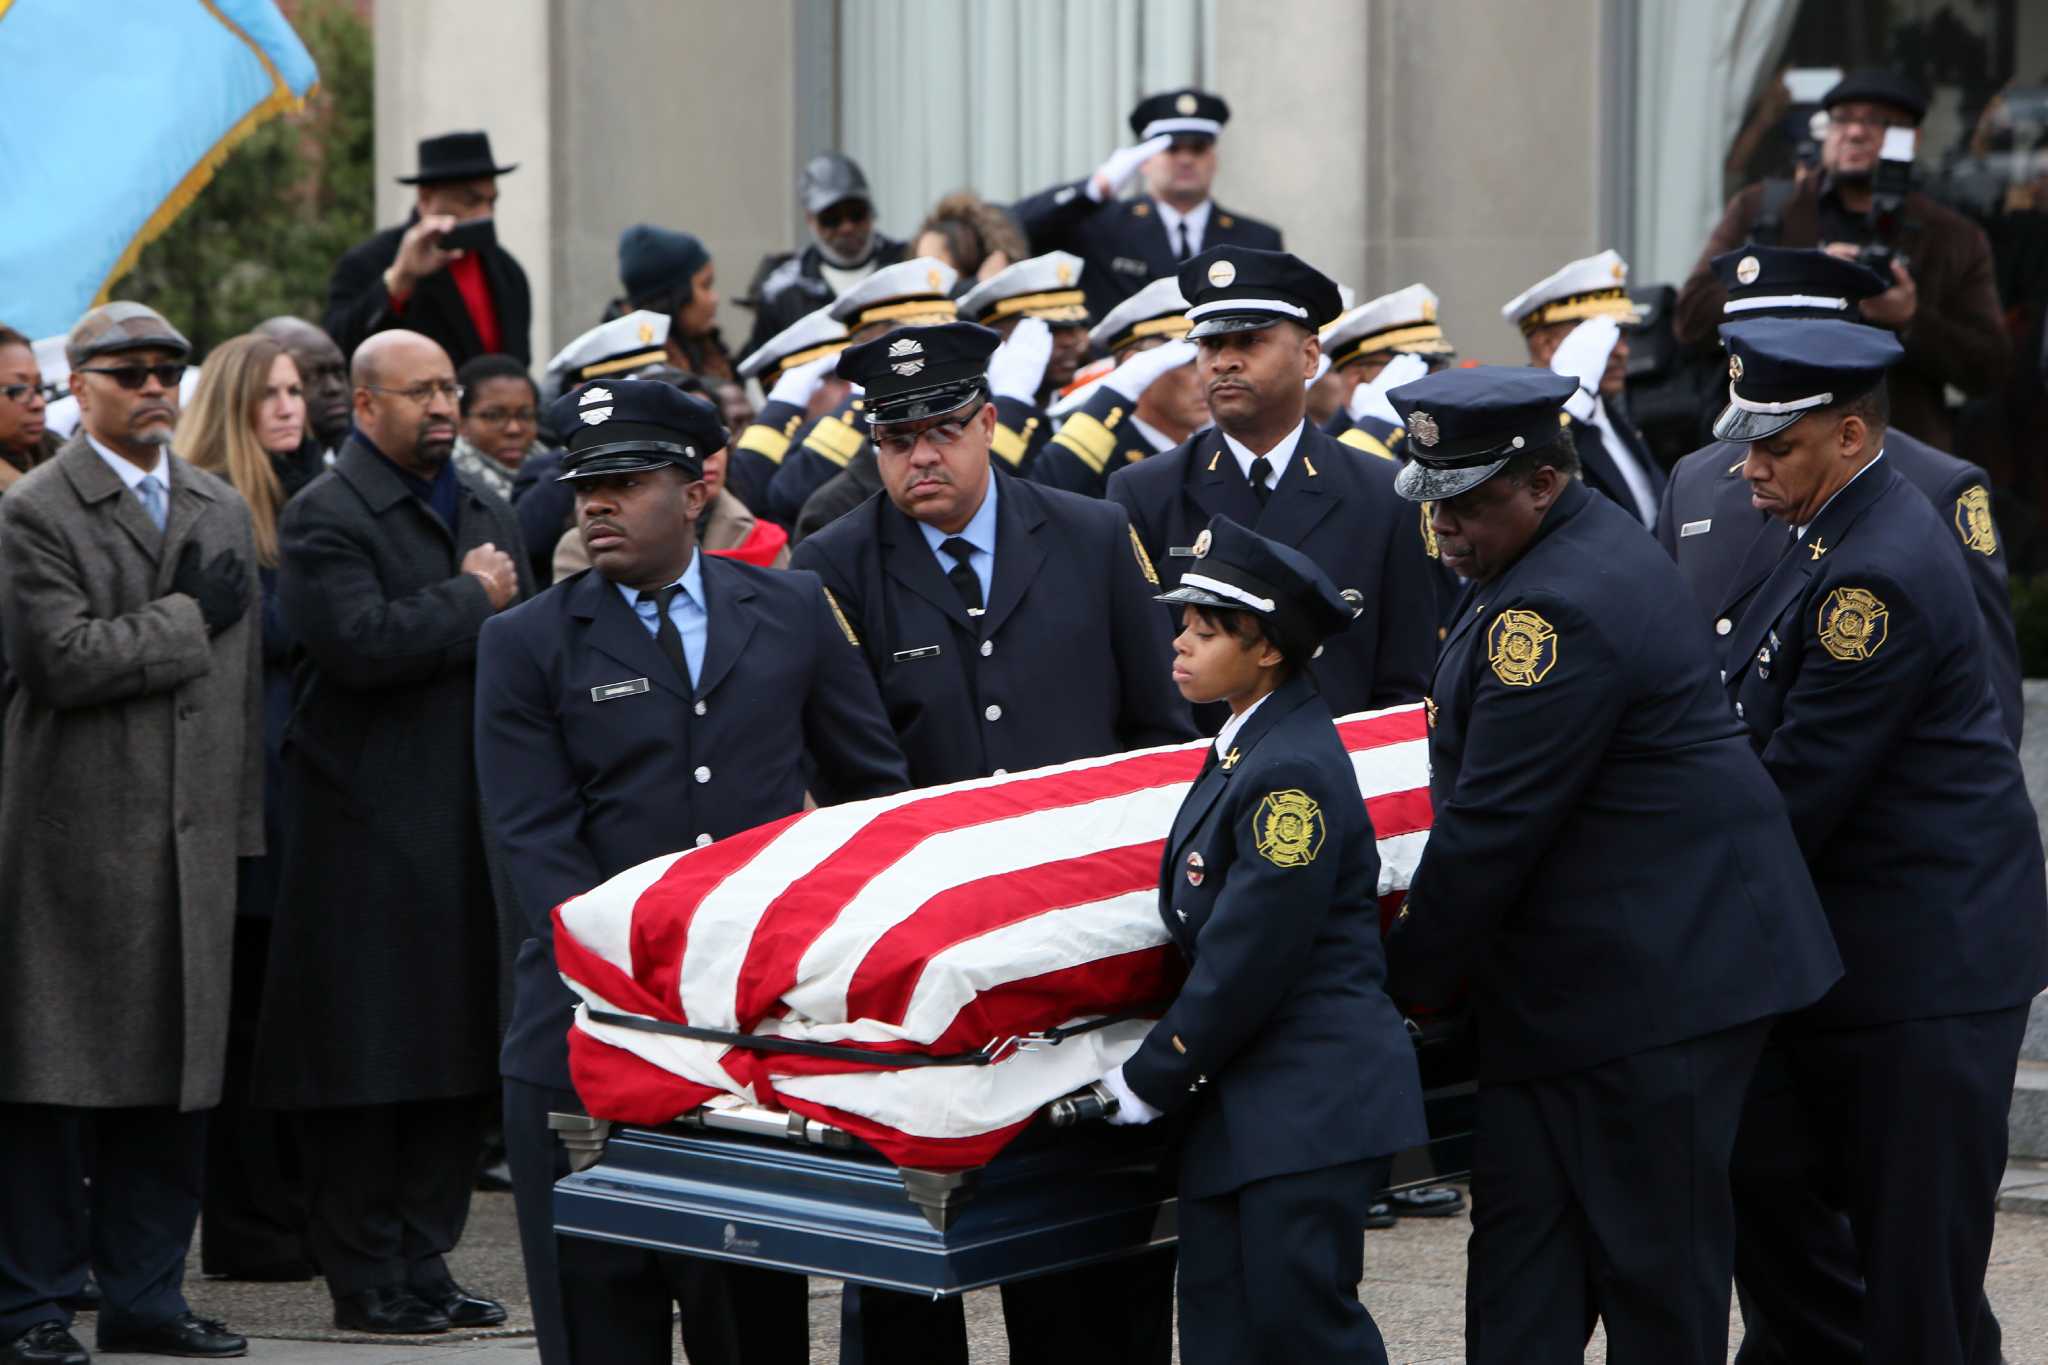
[933, 922]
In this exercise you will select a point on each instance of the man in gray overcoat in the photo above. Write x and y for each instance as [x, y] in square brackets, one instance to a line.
[133, 782]
[380, 1014]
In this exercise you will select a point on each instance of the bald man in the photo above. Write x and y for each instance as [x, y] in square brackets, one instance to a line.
[380, 1018]
[324, 374]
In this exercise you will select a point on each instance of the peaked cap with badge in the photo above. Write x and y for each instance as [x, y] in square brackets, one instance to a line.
[1047, 287]
[1780, 369]
[1403, 322]
[1157, 310]
[1180, 113]
[917, 372]
[629, 426]
[1463, 425]
[1243, 289]
[1240, 570]
[617, 347]
[918, 290]
[1793, 281]
[811, 337]
[1594, 286]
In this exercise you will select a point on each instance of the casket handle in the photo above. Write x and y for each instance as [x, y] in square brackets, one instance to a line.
[583, 1136]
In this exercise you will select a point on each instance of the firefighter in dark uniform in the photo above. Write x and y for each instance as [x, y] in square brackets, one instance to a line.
[1147, 405]
[1282, 1053]
[795, 369]
[1009, 626]
[1129, 242]
[910, 293]
[1362, 342]
[641, 707]
[1858, 666]
[1025, 378]
[1573, 322]
[1620, 1002]
[1266, 467]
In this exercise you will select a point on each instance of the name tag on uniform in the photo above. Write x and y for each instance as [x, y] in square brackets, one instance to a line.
[1180, 552]
[1695, 528]
[1129, 265]
[922, 652]
[613, 691]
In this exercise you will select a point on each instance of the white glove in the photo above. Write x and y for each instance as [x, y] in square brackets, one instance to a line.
[1322, 368]
[1018, 366]
[1134, 376]
[798, 386]
[1130, 1110]
[1582, 356]
[1370, 399]
[1112, 175]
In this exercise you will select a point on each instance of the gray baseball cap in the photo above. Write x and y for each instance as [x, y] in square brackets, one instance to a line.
[830, 178]
[121, 326]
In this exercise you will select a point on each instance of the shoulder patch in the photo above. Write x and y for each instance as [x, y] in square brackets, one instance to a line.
[1853, 624]
[1522, 647]
[1289, 828]
[840, 616]
[1144, 560]
[1973, 520]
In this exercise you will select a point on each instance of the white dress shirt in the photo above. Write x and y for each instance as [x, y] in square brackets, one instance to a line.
[1279, 454]
[1195, 222]
[1228, 734]
[1639, 486]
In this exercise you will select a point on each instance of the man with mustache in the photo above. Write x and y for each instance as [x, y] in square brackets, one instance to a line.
[1266, 467]
[381, 1023]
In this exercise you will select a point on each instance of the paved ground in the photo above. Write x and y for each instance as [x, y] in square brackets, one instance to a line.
[1415, 1279]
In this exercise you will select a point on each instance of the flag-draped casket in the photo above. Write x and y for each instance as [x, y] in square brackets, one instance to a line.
[938, 925]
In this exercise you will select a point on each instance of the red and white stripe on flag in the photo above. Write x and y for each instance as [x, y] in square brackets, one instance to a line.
[931, 922]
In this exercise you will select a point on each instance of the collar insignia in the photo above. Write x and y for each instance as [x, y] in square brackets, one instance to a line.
[1230, 759]
[1817, 547]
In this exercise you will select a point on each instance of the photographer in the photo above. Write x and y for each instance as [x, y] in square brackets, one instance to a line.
[1943, 303]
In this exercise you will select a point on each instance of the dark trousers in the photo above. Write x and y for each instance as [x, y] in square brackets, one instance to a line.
[1603, 1193]
[1907, 1122]
[1114, 1313]
[133, 1226]
[597, 1303]
[1270, 1272]
[387, 1189]
[255, 1210]
[1797, 1274]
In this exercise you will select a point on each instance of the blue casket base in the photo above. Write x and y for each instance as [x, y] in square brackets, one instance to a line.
[1050, 1201]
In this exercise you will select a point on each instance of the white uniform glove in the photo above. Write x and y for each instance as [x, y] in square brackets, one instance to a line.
[1112, 175]
[1582, 356]
[1370, 399]
[1135, 375]
[799, 385]
[1130, 1110]
[1018, 366]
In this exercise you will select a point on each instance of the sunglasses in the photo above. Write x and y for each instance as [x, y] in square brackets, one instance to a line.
[839, 215]
[135, 376]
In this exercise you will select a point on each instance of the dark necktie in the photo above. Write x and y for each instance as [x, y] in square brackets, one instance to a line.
[1180, 241]
[962, 575]
[1262, 470]
[665, 633]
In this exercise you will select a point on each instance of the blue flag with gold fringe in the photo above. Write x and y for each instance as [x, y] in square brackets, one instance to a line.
[118, 113]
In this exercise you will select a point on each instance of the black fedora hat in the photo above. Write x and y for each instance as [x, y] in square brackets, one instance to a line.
[455, 156]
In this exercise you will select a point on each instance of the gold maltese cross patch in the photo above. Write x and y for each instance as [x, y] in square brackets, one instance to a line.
[1973, 520]
[1853, 624]
[1289, 828]
[1522, 647]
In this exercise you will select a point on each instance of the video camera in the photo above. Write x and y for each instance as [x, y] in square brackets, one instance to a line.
[1885, 223]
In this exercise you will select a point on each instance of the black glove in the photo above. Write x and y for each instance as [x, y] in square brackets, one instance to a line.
[221, 588]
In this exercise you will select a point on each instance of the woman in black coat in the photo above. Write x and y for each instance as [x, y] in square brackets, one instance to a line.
[1282, 1054]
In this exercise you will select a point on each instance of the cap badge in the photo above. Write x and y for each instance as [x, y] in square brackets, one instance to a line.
[1063, 272]
[1422, 427]
[906, 346]
[1221, 273]
[1196, 869]
[646, 332]
[935, 281]
[1185, 104]
[1429, 310]
[1202, 543]
[907, 368]
[595, 396]
[1735, 367]
[1747, 269]
[1619, 270]
[595, 416]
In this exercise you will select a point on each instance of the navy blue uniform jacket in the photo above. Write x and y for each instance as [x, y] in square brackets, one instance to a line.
[1284, 1010]
[1859, 667]
[1608, 859]
[1335, 505]
[1123, 241]
[1709, 527]
[1070, 660]
[818, 452]
[594, 755]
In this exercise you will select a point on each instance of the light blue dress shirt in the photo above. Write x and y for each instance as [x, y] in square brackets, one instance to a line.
[980, 532]
[686, 609]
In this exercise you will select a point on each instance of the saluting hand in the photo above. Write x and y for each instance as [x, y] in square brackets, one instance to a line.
[1134, 376]
[1370, 399]
[1112, 175]
[495, 570]
[1018, 366]
[1582, 356]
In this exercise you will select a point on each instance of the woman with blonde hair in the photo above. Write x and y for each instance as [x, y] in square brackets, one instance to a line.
[247, 423]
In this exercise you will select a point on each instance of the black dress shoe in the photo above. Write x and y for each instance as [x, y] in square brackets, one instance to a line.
[462, 1308]
[187, 1334]
[1380, 1215]
[389, 1310]
[46, 1343]
[86, 1300]
[1428, 1201]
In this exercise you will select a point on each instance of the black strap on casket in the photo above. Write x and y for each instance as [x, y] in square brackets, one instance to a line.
[995, 1050]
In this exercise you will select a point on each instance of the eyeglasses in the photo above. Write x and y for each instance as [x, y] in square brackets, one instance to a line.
[901, 443]
[426, 393]
[505, 417]
[23, 393]
[839, 215]
[1865, 116]
[168, 373]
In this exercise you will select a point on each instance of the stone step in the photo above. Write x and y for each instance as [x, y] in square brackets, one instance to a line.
[2034, 1048]
[2024, 1188]
[2027, 1129]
